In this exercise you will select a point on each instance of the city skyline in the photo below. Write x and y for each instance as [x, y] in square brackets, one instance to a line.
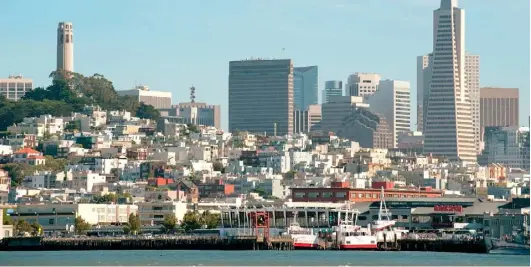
[181, 58]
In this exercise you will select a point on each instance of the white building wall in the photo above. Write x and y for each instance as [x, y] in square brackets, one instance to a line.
[362, 84]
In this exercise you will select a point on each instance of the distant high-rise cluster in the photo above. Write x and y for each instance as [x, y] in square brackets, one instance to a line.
[65, 47]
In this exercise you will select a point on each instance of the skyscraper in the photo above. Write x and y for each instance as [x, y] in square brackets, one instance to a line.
[332, 88]
[472, 84]
[449, 129]
[423, 88]
[65, 47]
[261, 96]
[362, 84]
[472, 74]
[393, 101]
[499, 107]
[305, 87]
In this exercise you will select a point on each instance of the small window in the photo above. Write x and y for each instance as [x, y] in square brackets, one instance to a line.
[362, 218]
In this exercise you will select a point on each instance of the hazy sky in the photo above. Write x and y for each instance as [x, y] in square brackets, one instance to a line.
[170, 45]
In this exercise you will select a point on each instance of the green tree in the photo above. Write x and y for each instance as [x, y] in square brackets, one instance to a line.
[192, 128]
[6, 219]
[260, 191]
[169, 222]
[210, 220]
[80, 225]
[191, 221]
[73, 126]
[22, 226]
[217, 166]
[147, 112]
[126, 230]
[134, 223]
[36, 229]
[17, 172]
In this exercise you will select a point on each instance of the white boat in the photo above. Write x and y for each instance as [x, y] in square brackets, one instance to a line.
[351, 236]
[302, 237]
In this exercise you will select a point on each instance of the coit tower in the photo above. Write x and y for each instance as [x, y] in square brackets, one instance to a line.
[65, 47]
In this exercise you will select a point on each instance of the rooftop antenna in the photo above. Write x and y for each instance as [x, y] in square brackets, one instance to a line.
[192, 94]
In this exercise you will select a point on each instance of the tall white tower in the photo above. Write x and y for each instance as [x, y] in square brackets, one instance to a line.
[449, 129]
[65, 47]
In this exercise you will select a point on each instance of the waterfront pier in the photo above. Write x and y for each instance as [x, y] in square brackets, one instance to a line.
[140, 243]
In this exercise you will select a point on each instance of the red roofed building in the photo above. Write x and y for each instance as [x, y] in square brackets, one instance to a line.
[29, 156]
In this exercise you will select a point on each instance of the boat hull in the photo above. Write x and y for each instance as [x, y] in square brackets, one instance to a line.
[358, 247]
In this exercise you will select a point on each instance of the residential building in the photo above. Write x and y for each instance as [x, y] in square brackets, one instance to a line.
[508, 146]
[29, 156]
[5, 230]
[305, 87]
[196, 113]
[449, 130]
[332, 88]
[261, 98]
[157, 99]
[499, 107]
[15, 87]
[65, 47]
[362, 84]
[392, 101]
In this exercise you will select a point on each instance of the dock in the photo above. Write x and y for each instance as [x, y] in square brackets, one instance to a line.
[445, 245]
[142, 243]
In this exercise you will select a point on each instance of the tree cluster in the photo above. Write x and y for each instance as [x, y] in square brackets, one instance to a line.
[70, 92]
[22, 226]
[195, 220]
[81, 226]
[133, 225]
[17, 171]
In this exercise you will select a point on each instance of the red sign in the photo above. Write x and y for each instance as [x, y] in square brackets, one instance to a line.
[448, 208]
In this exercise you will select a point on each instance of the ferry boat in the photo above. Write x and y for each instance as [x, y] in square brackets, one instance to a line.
[303, 238]
[350, 236]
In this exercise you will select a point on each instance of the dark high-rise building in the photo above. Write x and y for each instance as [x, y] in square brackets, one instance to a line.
[261, 96]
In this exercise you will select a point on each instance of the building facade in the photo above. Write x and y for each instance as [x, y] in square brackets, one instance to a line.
[499, 107]
[158, 99]
[472, 72]
[15, 87]
[305, 87]
[392, 100]
[261, 98]
[304, 120]
[335, 111]
[449, 130]
[332, 88]
[423, 87]
[195, 113]
[368, 128]
[362, 84]
[65, 47]
[508, 146]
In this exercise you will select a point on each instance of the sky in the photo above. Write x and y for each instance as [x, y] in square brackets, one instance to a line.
[170, 45]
